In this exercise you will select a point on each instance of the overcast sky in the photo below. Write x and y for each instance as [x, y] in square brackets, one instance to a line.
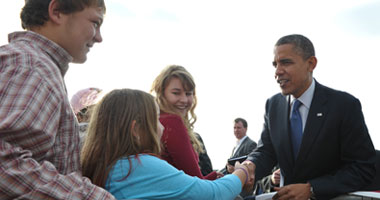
[228, 47]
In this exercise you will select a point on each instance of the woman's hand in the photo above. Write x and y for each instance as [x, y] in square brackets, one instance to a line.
[242, 172]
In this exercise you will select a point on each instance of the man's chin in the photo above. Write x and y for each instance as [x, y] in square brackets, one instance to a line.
[285, 92]
[80, 60]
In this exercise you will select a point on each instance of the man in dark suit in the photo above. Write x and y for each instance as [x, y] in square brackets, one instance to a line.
[334, 154]
[244, 144]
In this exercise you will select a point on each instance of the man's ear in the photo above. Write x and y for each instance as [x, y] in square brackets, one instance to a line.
[54, 14]
[312, 63]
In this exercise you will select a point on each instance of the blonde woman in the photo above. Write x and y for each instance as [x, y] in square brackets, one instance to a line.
[175, 94]
[121, 154]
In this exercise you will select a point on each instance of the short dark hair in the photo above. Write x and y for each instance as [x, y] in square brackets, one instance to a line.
[243, 121]
[36, 12]
[302, 44]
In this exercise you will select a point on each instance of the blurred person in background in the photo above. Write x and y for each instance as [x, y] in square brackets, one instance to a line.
[244, 144]
[83, 102]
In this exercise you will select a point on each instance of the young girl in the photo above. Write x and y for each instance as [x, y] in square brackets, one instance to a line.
[175, 92]
[121, 154]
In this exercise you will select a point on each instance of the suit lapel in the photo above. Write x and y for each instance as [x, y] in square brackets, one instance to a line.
[237, 153]
[315, 119]
[280, 131]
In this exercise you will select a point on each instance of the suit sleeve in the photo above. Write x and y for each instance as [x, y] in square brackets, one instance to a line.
[264, 155]
[178, 145]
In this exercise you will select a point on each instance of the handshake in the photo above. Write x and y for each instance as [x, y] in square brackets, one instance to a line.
[244, 169]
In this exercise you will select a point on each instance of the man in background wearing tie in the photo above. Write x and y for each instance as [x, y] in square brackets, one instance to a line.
[244, 144]
[316, 134]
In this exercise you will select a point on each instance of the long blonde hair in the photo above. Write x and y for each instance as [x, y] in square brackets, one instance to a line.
[158, 87]
[110, 134]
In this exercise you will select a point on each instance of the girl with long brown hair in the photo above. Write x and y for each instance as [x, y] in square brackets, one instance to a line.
[176, 96]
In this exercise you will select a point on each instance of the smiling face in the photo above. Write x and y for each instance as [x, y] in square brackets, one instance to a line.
[180, 99]
[293, 73]
[80, 31]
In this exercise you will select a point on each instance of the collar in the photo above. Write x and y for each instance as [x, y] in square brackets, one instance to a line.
[58, 54]
[241, 140]
[307, 96]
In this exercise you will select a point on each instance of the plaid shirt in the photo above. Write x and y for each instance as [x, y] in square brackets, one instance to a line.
[39, 135]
